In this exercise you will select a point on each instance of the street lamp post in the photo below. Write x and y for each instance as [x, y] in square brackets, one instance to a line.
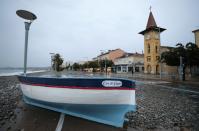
[30, 17]
[182, 71]
[86, 62]
[27, 27]
[104, 61]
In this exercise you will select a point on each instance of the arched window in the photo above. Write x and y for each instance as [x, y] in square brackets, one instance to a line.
[148, 48]
[148, 68]
[156, 49]
[148, 58]
[157, 69]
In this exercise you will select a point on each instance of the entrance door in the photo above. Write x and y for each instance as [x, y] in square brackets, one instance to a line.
[157, 69]
[149, 69]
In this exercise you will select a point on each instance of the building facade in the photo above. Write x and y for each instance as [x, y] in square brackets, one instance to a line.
[152, 46]
[110, 55]
[196, 33]
[130, 62]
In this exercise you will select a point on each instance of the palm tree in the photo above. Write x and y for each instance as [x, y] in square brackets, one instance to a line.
[192, 52]
[180, 50]
[57, 62]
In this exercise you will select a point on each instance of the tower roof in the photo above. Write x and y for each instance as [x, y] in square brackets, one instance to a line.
[151, 21]
[151, 25]
[195, 31]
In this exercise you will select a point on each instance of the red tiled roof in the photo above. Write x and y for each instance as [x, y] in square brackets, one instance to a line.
[108, 52]
[151, 21]
[131, 54]
[151, 25]
[195, 31]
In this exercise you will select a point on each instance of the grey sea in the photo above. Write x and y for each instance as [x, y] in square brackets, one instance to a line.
[18, 71]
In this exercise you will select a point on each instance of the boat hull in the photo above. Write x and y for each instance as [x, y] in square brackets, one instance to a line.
[104, 105]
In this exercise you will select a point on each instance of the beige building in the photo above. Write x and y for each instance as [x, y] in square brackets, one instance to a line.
[153, 50]
[129, 62]
[196, 33]
[152, 46]
[110, 55]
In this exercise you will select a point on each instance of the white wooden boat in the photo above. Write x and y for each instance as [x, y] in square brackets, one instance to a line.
[104, 100]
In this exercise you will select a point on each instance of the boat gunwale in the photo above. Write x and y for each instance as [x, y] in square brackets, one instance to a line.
[108, 78]
[27, 82]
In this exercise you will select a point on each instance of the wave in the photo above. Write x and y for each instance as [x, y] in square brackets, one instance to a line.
[20, 72]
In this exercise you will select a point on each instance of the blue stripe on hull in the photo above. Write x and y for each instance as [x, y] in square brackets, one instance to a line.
[107, 114]
[78, 82]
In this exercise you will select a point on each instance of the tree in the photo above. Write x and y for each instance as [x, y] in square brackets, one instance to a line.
[57, 62]
[76, 66]
[170, 58]
[192, 52]
[85, 65]
[93, 64]
[180, 50]
[189, 53]
[108, 63]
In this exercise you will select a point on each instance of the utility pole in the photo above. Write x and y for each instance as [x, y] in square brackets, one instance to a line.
[182, 70]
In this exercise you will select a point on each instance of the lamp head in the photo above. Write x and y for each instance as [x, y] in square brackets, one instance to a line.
[26, 15]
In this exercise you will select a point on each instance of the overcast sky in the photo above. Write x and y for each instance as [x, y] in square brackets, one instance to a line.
[79, 29]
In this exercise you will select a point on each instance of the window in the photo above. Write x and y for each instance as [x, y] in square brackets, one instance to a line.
[156, 49]
[130, 69]
[142, 68]
[137, 69]
[148, 48]
[149, 69]
[124, 68]
[157, 58]
[147, 37]
[119, 68]
[157, 36]
[148, 58]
